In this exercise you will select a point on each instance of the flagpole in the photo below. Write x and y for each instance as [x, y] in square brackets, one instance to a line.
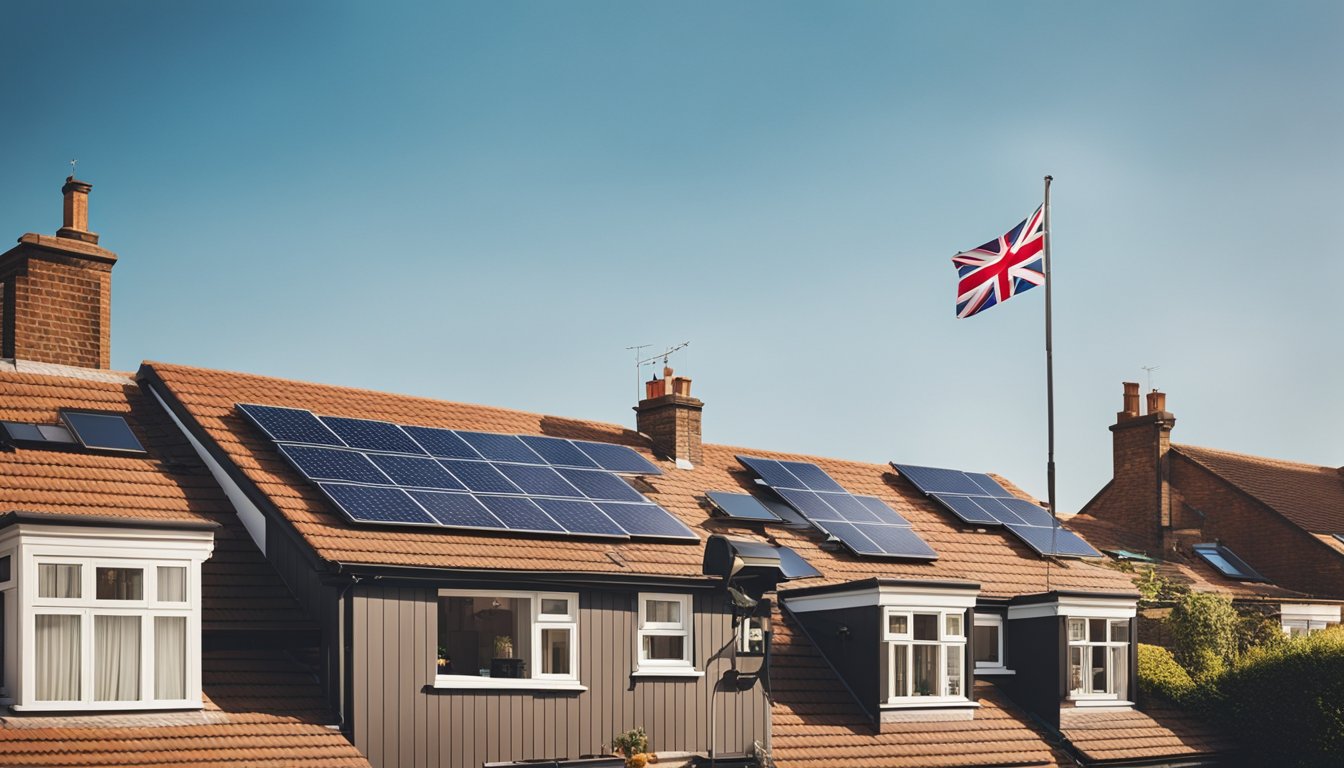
[1049, 387]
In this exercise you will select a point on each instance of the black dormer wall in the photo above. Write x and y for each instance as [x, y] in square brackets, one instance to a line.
[1037, 649]
[851, 640]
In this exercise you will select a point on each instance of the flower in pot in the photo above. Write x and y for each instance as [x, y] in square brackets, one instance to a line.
[503, 647]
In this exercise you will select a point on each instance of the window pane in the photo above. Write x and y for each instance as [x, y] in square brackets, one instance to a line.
[170, 657]
[58, 580]
[555, 606]
[663, 611]
[899, 663]
[555, 651]
[121, 584]
[1096, 630]
[926, 626]
[1077, 630]
[116, 658]
[953, 625]
[926, 667]
[1120, 671]
[1076, 669]
[1120, 631]
[485, 635]
[954, 656]
[664, 647]
[58, 658]
[1099, 683]
[898, 624]
[172, 584]
[987, 644]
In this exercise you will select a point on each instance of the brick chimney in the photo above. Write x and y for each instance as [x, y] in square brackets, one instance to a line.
[1139, 497]
[671, 418]
[56, 292]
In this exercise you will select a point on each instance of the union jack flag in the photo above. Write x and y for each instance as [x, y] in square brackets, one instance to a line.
[1001, 269]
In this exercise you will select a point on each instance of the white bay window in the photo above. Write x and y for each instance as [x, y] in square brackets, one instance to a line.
[924, 655]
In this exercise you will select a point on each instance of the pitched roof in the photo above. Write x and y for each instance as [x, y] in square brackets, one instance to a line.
[1310, 496]
[169, 484]
[816, 724]
[262, 710]
[1002, 565]
[1131, 735]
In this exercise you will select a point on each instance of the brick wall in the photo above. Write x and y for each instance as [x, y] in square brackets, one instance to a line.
[673, 423]
[1138, 498]
[57, 309]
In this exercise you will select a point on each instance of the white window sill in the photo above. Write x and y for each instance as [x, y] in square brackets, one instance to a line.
[106, 706]
[473, 682]
[1111, 703]
[994, 671]
[668, 672]
[932, 702]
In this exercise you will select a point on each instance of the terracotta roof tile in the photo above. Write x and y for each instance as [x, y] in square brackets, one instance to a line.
[1310, 496]
[1000, 563]
[1135, 734]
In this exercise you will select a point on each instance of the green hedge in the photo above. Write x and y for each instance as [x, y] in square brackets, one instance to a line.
[1160, 675]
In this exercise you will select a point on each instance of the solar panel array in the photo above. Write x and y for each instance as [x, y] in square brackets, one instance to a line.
[864, 524]
[979, 499]
[380, 472]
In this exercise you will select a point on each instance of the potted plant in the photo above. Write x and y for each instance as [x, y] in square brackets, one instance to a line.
[633, 745]
[504, 664]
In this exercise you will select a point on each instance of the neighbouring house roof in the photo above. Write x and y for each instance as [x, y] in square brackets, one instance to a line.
[1124, 736]
[1002, 565]
[1309, 496]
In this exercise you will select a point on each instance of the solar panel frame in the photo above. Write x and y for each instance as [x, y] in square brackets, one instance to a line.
[289, 425]
[742, 506]
[353, 500]
[621, 459]
[325, 463]
[371, 435]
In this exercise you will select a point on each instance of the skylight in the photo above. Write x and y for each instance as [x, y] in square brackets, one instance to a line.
[36, 435]
[1227, 562]
[102, 431]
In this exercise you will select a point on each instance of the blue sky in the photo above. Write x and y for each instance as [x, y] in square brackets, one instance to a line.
[489, 201]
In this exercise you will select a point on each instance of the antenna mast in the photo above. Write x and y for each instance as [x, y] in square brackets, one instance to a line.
[665, 354]
[1150, 369]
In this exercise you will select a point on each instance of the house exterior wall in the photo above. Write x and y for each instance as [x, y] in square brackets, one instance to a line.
[399, 719]
[851, 640]
[1040, 663]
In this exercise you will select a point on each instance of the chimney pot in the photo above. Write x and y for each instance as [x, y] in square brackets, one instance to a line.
[1131, 403]
[75, 218]
[1157, 402]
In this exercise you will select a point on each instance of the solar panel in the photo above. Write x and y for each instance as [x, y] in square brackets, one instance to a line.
[318, 463]
[617, 458]
[646, 520]
[967, 508]
[102, 431]
[289, 425]
[456, 510]
[580, 517]
[741, 506]
[539, 481]
[443, 443]
[519, 514]
[557, 452]
[1031, 514]
[793, 566]
[1067, 543]
[369, 504]
[600, 485]
[501, 447]
[788, 514]
[479, 476]
[416, 471]
[936, 480]
[371, 435]
[864, 524]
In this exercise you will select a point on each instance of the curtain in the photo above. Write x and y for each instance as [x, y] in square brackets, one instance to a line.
[57, 658]
[116, 658]
[172, 585]
[170, 657]
[57, 580]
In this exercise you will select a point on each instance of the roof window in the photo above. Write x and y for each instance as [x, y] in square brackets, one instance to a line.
[1227, 562]
[102, 431]
[36, 435]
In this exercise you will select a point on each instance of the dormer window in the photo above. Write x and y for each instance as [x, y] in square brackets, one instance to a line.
[1099, 658]
[925, 654]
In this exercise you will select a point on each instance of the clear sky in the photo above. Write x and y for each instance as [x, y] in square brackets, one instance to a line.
[488, 202]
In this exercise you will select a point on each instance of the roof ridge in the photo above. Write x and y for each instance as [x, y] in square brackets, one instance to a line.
[1185, 449]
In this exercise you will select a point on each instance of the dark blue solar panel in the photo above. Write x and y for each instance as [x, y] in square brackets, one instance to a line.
[809, 503]
[581, 517]
[367, 504]
[539, 481]
[617, 458]
[1067, 543]
[787, 513]
[990, 485]
[103, 431]
[897, 541]
[742, 506]
[772, 472]
[968, 508]
[501, 447]
[443, 443]
[479, 476]
[457, 510]
[597, 484]
[883, 513]
[371, 435]
[815, 477]
[849, 508]
[557, 452]
[416, 471]
[333, 464]
[292, 425]
[519, 514]
[793, 566]
[937, 480]
[647, 520]
[1031, 514]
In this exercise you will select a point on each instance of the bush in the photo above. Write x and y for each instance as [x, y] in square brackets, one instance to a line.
[1285, 703]
[1160, 675]
[1204, 631]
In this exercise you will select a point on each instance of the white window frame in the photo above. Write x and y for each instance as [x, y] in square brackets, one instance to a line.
[992, 668]
[683, 667]
[945, 642]
[92, 548]
[538, 621]
[1085, 647]
[1307, 618]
